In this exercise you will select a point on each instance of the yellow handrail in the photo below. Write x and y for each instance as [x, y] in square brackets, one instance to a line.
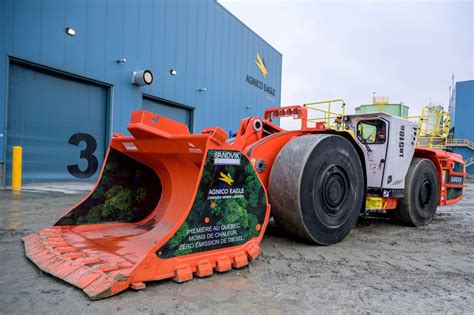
[433, 129]
[461, 143]
[469, 161]
[328, 115]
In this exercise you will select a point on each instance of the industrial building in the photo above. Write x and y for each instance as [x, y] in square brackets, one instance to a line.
[73, 71]
[461, 110]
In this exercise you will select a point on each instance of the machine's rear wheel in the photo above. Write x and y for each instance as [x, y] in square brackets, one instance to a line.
[419, 205]
[316, 188]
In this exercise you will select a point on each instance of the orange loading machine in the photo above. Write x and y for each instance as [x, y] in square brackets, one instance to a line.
[170, 204]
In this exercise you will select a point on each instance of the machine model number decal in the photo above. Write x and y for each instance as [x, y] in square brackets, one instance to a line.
[453, 179]
[401, 143]
[413, 137]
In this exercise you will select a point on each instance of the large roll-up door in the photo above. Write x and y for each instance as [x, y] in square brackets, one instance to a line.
[170, 110]
[59, 121]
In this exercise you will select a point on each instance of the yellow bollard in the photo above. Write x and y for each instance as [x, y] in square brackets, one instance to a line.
[16, 168]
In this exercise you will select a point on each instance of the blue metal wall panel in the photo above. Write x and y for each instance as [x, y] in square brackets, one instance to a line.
[191, 33]
[169, 46]
[206, 44]
[464, 111]
[114, 51]
[75, 47]
[145, 34]
[464, 116]
[216, 68]
[180, 52]
[95, 33]
[53, 15]
[158, 48]
[27, 29]
[200, 65]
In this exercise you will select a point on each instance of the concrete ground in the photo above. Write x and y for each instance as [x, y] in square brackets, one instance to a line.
[379, 267]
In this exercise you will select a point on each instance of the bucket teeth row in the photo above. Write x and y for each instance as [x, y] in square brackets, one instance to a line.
[206, 268]
[50, 250]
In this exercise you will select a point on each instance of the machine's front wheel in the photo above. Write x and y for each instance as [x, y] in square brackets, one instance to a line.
[316, 188]
[419, 205]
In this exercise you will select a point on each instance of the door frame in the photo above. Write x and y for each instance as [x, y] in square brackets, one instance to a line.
[386, 143]
[109, 103]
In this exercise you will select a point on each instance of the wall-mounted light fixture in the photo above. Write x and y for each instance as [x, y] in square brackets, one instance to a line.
[122, 60]
[70, 31]
[142, 77]
[202, 89]
[173, 72]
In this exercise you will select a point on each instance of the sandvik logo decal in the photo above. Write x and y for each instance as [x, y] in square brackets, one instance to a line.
[226, 178]
[261, 66]
[226, 158]
[456, 180]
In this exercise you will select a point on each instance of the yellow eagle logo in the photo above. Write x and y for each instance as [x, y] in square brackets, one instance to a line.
[226, 178]
[261, 65]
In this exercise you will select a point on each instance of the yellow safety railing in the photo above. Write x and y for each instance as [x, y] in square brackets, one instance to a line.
[461, 143]
[433, 129]
[328, 115]
[469, 161]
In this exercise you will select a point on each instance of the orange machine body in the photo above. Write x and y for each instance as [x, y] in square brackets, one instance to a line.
[105, 258]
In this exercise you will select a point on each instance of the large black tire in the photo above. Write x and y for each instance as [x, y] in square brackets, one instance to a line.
[418, 207]
[316, 188]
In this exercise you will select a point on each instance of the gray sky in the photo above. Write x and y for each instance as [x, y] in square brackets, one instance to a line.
[406, 50]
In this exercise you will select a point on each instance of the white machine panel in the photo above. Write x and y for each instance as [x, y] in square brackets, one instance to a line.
[402, 144]
[388, 143]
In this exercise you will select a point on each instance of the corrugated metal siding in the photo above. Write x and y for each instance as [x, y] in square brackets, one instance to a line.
[464, 110]
[207, 46]
[463, 117]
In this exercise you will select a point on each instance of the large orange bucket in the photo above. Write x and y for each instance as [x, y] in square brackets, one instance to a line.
[168, 204]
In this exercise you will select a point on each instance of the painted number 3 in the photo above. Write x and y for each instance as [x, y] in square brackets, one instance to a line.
[87, 153]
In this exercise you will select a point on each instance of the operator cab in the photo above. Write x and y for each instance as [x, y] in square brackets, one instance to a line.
[388, 143]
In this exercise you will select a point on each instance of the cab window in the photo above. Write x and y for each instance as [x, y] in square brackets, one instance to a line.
[371, 131]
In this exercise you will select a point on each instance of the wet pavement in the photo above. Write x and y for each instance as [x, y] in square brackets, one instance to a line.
[379, 267]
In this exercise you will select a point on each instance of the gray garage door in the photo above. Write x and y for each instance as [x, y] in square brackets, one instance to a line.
[59, 122]
[169, 110]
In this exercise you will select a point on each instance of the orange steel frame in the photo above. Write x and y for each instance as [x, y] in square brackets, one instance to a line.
[105, 259]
